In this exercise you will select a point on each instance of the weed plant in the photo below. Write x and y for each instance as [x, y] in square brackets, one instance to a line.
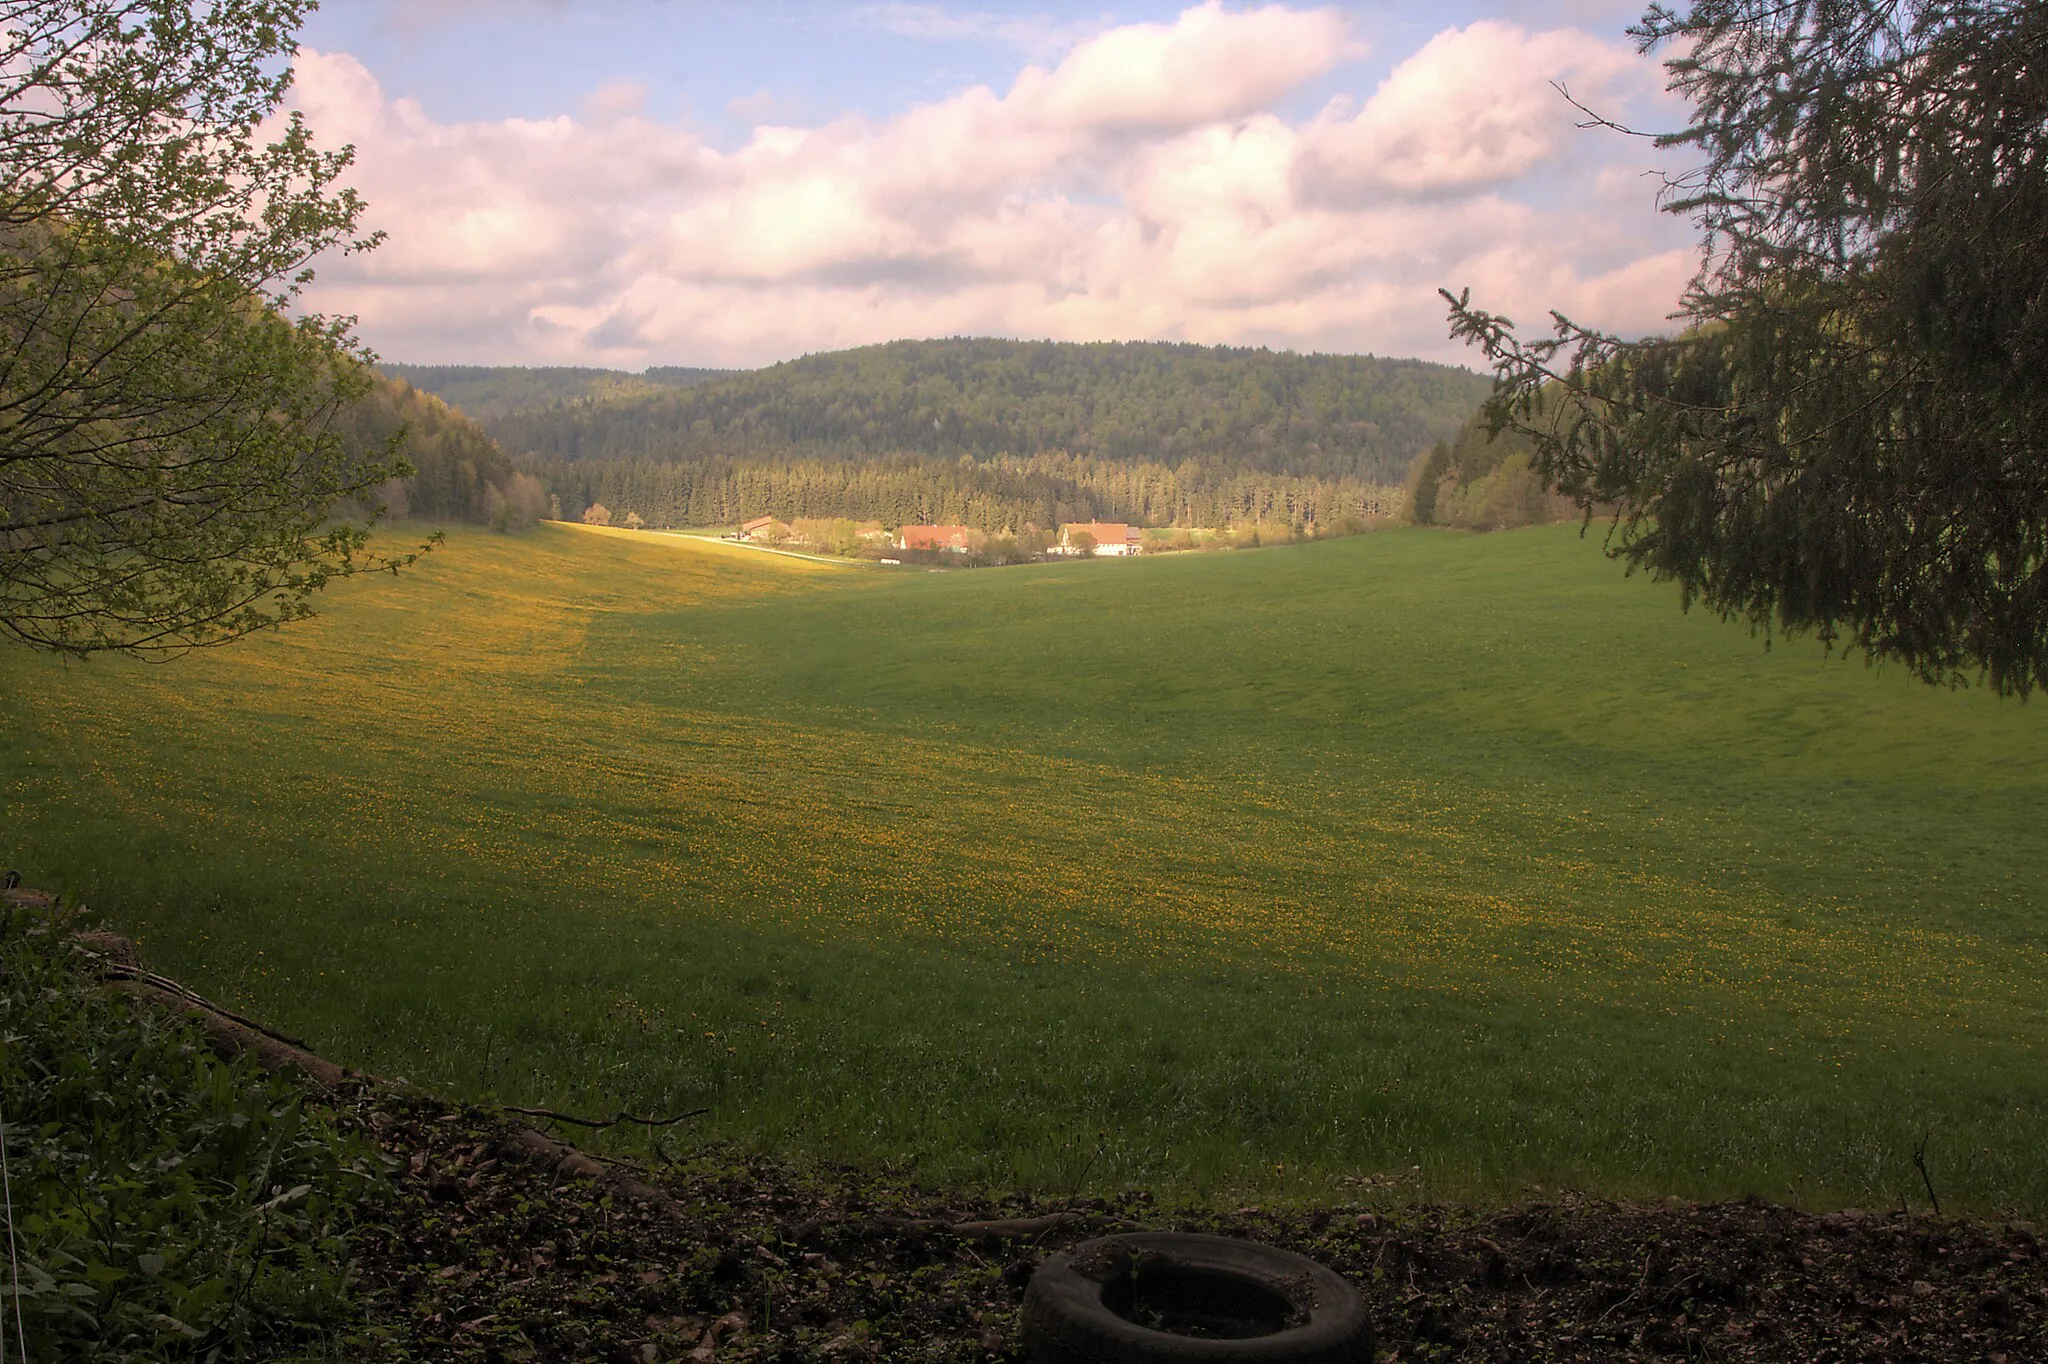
[164, 1203]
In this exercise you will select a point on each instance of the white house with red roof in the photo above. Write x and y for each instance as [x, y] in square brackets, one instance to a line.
[1112, 538]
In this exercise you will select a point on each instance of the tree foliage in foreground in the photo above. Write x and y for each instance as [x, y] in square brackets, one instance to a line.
[1850, 435]
[167, 470]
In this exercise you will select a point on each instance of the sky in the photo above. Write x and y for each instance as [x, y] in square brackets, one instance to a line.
[731, 183]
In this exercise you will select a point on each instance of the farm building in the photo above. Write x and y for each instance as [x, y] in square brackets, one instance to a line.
[764, 528]
[1111, 537]
[957, 539]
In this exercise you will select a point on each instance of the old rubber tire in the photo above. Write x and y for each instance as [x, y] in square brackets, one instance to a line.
[1068, 1321]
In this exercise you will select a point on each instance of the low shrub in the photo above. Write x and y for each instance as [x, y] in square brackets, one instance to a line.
[162, 1202]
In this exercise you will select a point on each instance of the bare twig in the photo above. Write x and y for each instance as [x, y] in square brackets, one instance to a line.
[1637, 1291]
[623, 1116]
[1920, 1164]
[274, 1052]
[1594, 120]
[1009, 1227]
[1020, 1226]
[114, 970]
[13, 1253]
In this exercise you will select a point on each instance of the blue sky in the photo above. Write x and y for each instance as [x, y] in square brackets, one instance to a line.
[708, 182]
[534, 58]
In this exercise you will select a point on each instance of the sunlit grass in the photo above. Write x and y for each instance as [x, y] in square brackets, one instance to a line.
[1235, 875]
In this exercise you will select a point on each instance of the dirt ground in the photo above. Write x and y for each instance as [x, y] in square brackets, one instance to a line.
[493, 1251]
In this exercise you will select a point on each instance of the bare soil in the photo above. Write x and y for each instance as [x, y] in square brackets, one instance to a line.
[489, 1252]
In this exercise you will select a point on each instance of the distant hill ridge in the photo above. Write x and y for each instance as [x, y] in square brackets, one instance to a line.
[486, 391]
[1233, 410]
[989, 433]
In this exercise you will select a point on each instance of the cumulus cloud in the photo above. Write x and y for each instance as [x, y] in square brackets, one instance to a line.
[1142, 186]
[1475, 107]
[1206, 66]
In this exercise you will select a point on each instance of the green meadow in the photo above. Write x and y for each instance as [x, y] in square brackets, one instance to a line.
[1412, 865]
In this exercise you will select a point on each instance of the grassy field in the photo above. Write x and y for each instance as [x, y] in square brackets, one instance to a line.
[1417, 863]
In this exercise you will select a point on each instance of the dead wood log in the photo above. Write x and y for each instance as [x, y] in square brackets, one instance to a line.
[537, 1148]
[232, 1035]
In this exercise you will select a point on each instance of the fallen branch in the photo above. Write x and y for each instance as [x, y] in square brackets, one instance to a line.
[1920, 1164]
[274, 1051]
[623, 1116]
[116, 971]
[537, 1148]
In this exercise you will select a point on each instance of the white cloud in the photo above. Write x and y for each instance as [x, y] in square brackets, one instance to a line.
[1208, 65]
[1143, 186]
[1475, 107]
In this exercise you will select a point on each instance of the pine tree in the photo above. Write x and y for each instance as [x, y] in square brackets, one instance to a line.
[1850, 435]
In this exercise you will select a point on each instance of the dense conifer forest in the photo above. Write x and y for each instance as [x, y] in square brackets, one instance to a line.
[992, 495]
[985, 433]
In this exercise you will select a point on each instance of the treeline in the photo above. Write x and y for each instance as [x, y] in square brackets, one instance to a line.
[996, 435]
[1219, 412]
[1477, 481]
[489, 391]
[992, 495]
[460, 473]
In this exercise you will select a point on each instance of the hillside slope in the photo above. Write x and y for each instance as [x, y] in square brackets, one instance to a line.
[1235, 410]
[1261, 872]
[993, 434]
[460, 473]
[488, 391]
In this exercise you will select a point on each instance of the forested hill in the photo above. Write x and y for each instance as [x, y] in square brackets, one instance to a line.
[459, 473]
[486, 391]
[1230, 411]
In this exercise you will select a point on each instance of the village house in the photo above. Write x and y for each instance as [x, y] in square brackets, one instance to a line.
[952, 539]
[764, 528]
[1111, 537]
